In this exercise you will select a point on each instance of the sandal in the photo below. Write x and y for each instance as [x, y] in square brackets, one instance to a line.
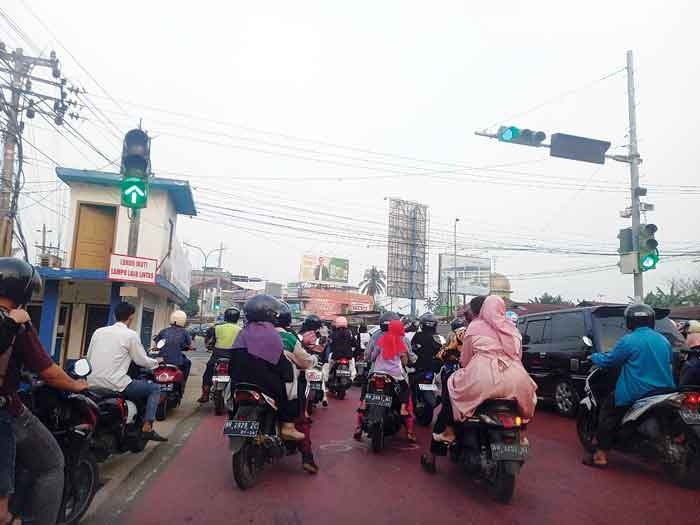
[411, 436]
[590, 462]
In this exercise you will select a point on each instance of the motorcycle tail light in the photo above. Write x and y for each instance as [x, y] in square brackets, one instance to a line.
[122, 407]
[378, 383]
[222, 369]
[242, 396]
[509, 420]
[692, 401]
[343, 361]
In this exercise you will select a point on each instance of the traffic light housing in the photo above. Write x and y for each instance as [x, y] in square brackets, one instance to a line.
[525, 137]
[136, 154]
[648, 247]
[217, 304]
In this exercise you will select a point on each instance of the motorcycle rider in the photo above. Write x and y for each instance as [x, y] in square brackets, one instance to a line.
[257, 358]
[24, 440]
[690, 373]
[342, 346]
[111, 352]
[301, 360]
[455, 339]
[221, 338]
[177, 340]
[645, 358]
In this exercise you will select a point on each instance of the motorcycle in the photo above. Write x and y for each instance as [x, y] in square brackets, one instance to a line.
[425, 397]
[663, 426]
[253, 434]
[71, 419]
[339, 378]
[491, 445]
[314, 380]
[361, 369]
[171, 381]
[382, 417]
[220, 380]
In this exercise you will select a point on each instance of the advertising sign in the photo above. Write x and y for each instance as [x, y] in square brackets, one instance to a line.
[407, 249]
[128, 269]
[472, 274]
[324, 269]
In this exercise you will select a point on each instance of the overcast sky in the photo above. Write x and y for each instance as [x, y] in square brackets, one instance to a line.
[317, 111]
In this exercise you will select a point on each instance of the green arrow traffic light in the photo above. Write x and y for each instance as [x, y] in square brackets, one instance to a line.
[525, 137]
[134, 192]
[508, 134]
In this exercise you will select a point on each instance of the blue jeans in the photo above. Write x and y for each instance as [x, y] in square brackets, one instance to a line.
[7, 454]
[138, 390]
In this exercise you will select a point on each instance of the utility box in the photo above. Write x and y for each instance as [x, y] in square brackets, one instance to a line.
[629, 263]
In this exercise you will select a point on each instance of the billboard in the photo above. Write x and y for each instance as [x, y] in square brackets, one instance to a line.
[320, 268]
[472, 274]
[328, 304]
[407, 249]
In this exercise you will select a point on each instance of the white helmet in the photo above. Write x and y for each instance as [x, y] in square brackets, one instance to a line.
[179, 318]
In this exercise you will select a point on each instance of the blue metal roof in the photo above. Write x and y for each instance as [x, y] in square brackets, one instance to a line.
[179, 190]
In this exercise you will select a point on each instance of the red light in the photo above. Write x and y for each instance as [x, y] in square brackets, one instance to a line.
[222, 369]
[692, 399]
[509, 420]
[343, 361]
[122, 407]
[245, 395]
[378, 383]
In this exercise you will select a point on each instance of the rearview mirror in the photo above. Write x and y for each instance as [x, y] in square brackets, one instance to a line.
[160, 344]
[587, 341]
[82, 368]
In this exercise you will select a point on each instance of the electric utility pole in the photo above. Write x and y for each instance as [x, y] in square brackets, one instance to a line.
[634, 160]
[23, 99]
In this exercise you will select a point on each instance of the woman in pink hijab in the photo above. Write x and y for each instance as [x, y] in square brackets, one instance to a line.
[491, 368]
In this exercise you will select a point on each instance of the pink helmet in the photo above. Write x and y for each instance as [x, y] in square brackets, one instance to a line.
[341, 322]
[693, 340]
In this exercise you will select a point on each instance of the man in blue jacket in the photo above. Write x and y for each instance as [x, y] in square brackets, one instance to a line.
[645, 358]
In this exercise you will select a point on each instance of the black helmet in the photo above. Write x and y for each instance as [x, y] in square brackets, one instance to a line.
[284, 319]
[311, 323]
[386, 318]
[428, 321]
[457, 323]
[18, 280]
[261, 308]
[638, 315]
[232, 315]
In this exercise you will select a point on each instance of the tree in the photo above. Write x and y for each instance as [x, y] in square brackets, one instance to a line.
[191, 308]
[545, 298]
[681, 292]
[373, 282]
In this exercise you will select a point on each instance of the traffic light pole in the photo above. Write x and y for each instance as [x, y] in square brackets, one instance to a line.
[134, 225]
[634, 161]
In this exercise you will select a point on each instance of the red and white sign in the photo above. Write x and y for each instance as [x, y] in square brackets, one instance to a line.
[132, 269]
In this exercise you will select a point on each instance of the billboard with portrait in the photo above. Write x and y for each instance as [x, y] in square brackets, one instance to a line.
[321, 268]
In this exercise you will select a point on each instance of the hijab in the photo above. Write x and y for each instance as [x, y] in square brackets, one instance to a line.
[392, 342]
[262, 340]
[492, 322]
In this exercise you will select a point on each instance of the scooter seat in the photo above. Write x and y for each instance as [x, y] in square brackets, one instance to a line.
[498, 405]
[660, 392]
[103, 393]
[248, 386]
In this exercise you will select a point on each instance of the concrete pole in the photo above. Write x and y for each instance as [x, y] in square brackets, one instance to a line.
[8, 160]
[634, 174]
[134, 225]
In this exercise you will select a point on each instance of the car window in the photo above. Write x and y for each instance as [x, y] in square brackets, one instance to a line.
[537, 331]
[611, 330]
[567, 327]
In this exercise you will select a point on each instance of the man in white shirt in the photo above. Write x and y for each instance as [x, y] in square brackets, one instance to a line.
[112, 349]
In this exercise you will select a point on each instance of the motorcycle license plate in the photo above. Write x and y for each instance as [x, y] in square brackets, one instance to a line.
[345, 373]
[221, 379]
[378, 399]
[508, 452]
[167, 388]
[427, 386]
[237, 428]
[316, 385]
[689, 417]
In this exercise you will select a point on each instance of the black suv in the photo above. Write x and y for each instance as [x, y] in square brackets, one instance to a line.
[554, 349]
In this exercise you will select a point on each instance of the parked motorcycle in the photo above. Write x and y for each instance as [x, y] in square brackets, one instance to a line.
[491, 446]
[663, 426]
[314, 380]
[382, 417]
[425, 397]
[220, 380]
[253, 434]
[339, 378]
[71, 419]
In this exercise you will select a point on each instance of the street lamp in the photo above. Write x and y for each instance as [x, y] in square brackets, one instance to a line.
[205, 256]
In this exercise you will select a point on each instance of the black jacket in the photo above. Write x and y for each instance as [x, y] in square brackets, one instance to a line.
[342, 343]
[425, 345]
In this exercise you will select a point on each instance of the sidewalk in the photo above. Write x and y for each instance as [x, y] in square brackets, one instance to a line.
[118, 468]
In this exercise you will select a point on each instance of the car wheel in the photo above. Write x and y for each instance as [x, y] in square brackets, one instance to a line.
[566, 398]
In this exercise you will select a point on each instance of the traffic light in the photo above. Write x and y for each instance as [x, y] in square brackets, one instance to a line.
[135, 168]
[625, 237]
[526, 137]
[217, 304]
[648, 247]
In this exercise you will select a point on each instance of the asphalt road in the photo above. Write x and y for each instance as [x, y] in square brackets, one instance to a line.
[191, 482]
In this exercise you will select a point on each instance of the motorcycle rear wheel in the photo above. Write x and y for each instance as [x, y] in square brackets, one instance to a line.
[425, 416]
[686, 473]
[162, 411]
[586, 427]
[79, 489]
[245, 470]
[377, 438]
[218, 402]
[340, 394]
[502, 487]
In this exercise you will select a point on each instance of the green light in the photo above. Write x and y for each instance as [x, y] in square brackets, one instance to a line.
[134, 192]
[508, 134]
[649, 261]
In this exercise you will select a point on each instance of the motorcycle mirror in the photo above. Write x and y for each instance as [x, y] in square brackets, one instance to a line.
[587, 341]
[82, 368]
[160, 344]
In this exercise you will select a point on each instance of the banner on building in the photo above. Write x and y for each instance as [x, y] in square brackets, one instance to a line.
[465, 275]
[125, 268]
[320, 268]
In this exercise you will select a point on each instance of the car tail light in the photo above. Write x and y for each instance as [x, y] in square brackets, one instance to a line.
[508, 420]
[222, 369]
[378, 383]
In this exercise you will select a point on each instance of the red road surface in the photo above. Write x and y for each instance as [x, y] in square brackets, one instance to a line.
[356, 486]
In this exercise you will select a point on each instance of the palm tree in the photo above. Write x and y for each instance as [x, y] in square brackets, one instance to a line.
[373, 283]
